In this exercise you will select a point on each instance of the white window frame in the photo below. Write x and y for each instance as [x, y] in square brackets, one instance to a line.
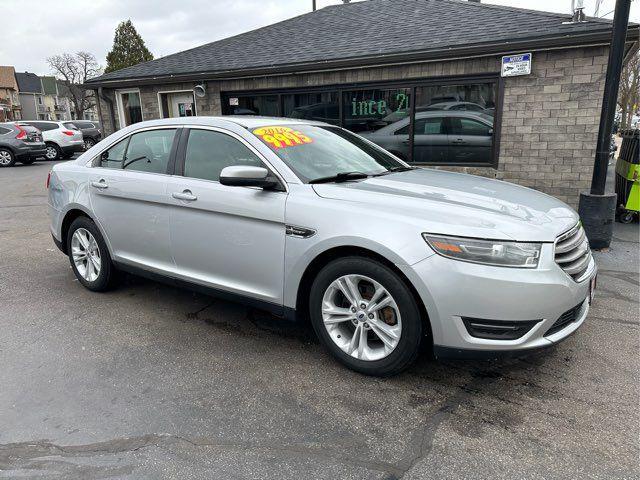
[119, 104]
[195, 101]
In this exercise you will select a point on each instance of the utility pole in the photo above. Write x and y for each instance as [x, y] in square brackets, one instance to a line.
[313, 4]
[597, 209]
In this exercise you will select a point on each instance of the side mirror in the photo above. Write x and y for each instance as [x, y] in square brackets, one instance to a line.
[245, 176]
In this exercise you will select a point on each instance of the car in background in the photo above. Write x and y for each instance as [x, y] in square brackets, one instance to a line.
[18, 143]
[440, 136]
[460, 106]
[91, 132]
[62, 139]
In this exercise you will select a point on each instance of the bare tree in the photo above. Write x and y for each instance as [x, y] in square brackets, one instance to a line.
[73, 70]
[629, 94]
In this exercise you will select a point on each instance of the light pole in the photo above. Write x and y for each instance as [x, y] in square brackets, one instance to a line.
[597, 209]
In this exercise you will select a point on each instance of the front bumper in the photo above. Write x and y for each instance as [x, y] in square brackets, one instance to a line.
[452, 290]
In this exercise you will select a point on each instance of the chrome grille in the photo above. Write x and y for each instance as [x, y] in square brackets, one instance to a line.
[572, 252]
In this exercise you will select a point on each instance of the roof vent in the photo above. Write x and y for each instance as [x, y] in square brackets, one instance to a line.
[577, 10]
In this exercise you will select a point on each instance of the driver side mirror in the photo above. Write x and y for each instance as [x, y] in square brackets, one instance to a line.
[246, 176]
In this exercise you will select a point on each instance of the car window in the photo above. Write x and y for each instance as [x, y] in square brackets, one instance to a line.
[208, 152]
[429, 126]
[44, 126]
[149, 151]
[113, 157]
[70, 126]
[466, 126]
[4, 131]
[474, 108]
[403, 131]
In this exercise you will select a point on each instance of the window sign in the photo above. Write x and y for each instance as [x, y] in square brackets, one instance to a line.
[234, 101]
[514, 65]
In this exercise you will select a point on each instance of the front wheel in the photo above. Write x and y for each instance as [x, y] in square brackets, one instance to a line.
[367, 317]
[88, 143]
[89, 256]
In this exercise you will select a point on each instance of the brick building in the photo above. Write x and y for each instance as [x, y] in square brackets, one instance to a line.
[426, 79]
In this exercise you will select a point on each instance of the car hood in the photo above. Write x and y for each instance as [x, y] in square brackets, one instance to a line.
[459, 204]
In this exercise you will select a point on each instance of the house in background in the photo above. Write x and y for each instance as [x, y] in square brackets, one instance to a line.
[9, 99]
[55, 110]
[31, 96]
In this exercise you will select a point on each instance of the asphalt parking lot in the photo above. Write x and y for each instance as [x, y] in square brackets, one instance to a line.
[149, 381]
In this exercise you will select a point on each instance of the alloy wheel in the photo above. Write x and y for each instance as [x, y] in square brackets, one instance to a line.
[361, 317]
[5, 158]
[86, 254]
[88, 144]
[51, 153]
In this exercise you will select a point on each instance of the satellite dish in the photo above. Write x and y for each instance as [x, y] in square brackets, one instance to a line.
[200, 91]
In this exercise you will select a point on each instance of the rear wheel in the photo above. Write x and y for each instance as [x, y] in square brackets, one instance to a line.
[366, 316]
[88, 143]
[53, 152]
[89, 256]
[6, 158]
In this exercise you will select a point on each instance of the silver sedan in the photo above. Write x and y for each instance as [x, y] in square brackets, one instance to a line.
[309, 220]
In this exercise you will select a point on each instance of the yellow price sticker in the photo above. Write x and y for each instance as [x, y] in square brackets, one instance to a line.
[282, 137]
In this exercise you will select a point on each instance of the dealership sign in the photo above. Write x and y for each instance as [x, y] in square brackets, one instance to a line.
[514, 65]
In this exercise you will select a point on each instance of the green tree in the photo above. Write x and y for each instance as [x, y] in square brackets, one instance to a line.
[128, 48]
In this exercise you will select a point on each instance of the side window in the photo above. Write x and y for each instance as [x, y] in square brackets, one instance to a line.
[403, 131]
[113, 157]
[4, 131]
[208, 152]
[429, 126]
[466, 126]
[149, 151]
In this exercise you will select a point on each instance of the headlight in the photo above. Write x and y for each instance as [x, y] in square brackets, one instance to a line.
[488, 252]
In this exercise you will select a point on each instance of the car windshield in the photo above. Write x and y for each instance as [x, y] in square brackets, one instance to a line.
[316, 152]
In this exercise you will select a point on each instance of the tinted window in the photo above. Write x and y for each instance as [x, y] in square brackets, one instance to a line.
[44, 126]
[4, 131]
[467, 126]
[70, 126]
[371, 109]
[149, 151]
[429, 126]
[208, 152]
[321, 106]
[113, 157]
[83, 124]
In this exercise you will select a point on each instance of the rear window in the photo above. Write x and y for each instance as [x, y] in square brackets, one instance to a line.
[70, 126]
[4, 130]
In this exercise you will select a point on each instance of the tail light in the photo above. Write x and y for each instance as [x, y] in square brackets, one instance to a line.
[48, 181]
[68, 132]
[22, 134]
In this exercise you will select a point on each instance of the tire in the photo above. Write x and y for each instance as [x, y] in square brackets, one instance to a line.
[88, 143]
[84, 270]
[53, 152]
[7, 159]
[338, 335]
[626, 217]
[27, 161]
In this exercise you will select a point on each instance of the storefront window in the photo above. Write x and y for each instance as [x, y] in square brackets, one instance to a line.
[320, 106]
[450, 124]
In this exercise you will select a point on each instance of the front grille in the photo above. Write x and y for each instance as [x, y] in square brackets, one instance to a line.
[572, 253]
[565, 319]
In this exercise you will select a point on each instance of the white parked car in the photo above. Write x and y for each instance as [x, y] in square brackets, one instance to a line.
[301, 216]
[63, 139]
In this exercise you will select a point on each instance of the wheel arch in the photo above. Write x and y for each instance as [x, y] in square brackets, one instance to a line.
[70, 215]
[8, 147]
[334, 253]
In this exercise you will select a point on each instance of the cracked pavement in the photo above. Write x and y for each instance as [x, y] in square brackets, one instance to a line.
[149, 381]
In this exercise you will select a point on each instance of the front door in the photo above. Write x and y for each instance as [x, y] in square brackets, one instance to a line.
[230, 238]
[430, 141]
[129, 198]
[470, 140]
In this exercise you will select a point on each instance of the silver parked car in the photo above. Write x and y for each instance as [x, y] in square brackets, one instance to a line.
[308, 218]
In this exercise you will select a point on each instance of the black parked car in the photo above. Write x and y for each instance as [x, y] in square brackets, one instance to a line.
[91, 132]
[22, 143]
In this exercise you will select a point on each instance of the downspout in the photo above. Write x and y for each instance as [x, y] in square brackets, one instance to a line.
[112, 113]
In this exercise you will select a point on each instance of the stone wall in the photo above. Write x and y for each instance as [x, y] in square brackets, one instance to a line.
[549, 122]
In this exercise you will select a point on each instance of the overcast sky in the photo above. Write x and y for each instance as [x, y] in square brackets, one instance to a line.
[38, 30]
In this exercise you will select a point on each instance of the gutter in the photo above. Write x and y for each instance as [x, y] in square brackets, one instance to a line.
[112, 113]
[385, 60]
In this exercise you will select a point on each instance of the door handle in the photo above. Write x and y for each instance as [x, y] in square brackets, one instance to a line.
[458, 141]
[100, 184]
[184, 195]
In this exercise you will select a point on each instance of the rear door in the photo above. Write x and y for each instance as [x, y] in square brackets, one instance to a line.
[230, 238]
[128, 194]
[470, 140]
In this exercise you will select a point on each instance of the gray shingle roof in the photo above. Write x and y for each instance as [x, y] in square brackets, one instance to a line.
[28, 82]
[375, 28]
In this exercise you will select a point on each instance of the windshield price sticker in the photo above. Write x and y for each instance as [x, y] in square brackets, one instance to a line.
[282, 137]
